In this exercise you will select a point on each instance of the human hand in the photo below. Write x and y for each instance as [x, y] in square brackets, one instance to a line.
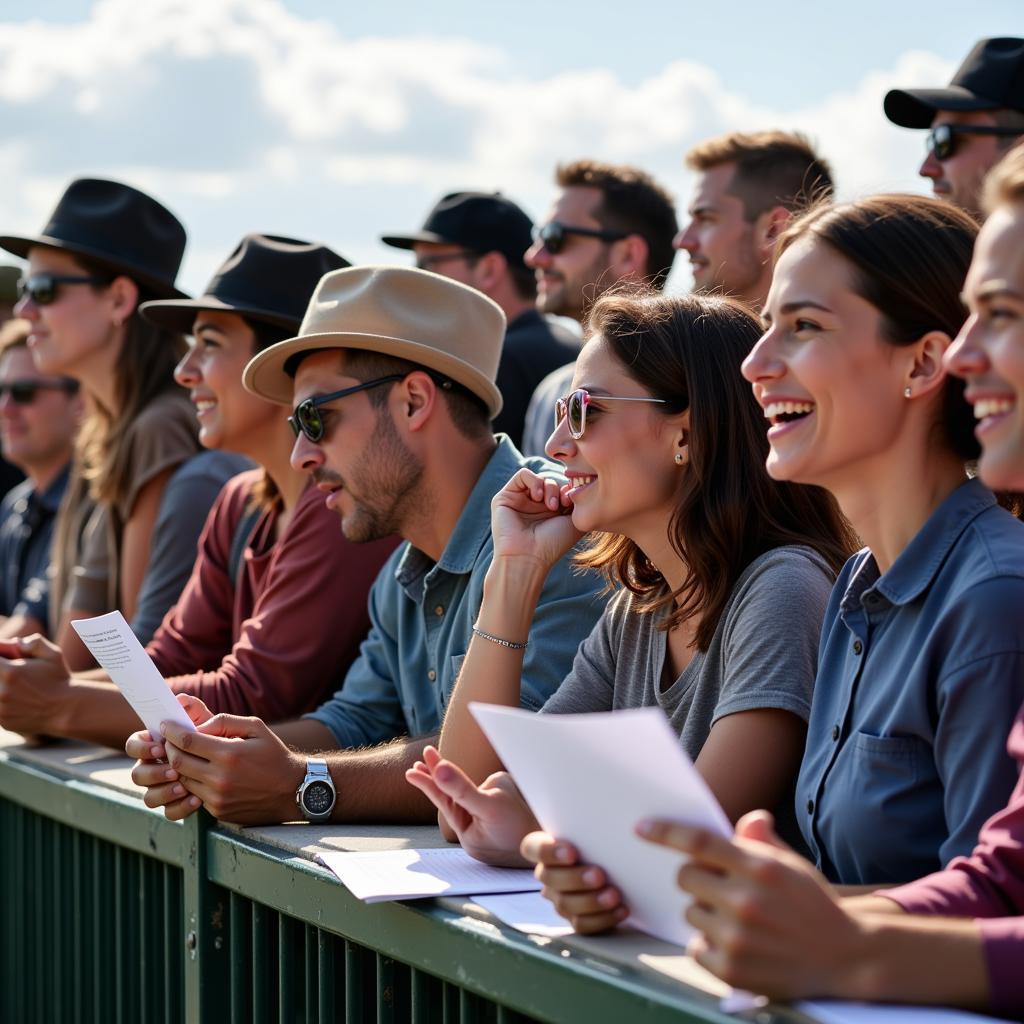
[581, 893]
[768, 921]
[488, 820]
[34, 683]
[531, 518]
[151, 771]
[238, 769]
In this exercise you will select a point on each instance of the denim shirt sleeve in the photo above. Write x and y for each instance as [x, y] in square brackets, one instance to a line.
[983, 686]
[367, 708]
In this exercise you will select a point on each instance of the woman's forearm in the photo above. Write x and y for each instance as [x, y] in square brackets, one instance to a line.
[492, 672]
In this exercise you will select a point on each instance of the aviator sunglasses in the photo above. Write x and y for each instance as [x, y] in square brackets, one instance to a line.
[23, 392]
[42, 288]
[552, 235]
[941, 139]
[573, 409]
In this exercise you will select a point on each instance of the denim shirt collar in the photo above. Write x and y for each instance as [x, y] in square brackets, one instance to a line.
[472, 529]
[915, 568]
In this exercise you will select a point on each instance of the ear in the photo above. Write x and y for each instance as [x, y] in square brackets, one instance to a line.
[414, 401]
[768, 226]
[490, 269]
[629, 257]
[681, 438]
[124, 298]
[927, 371]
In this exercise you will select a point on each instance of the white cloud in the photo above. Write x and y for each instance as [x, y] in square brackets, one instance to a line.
[244, 116]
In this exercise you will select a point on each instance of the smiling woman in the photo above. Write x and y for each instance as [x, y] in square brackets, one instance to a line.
[922, 657]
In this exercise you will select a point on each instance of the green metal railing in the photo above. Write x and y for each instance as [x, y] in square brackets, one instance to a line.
[113, 914]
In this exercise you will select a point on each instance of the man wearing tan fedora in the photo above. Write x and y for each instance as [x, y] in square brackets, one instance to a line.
[391, 383]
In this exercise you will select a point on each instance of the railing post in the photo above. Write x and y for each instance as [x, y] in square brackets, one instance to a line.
[205, 939]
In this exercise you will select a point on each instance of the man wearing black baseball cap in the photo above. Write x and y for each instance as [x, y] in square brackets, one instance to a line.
[972, 122]
[479, 239]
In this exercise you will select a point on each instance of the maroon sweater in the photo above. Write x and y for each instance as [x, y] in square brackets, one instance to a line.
[278, 642]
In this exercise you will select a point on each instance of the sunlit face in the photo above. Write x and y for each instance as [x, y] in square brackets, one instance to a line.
[568, 281]
[623, 469]
[37, 436]
[230, 417]
[362, 464]
[959, 178]
[720, 241]
[446, 259]
[830, 384]
[70, 332]
[989, 351]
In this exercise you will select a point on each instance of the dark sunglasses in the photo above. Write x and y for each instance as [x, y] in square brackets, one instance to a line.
[552, 235]
[23, 392]
[306, 418]
[942, 138]
[42, 288]
[573, 408]
[428, 260]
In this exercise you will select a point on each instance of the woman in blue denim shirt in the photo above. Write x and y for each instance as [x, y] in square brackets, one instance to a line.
[921, 665]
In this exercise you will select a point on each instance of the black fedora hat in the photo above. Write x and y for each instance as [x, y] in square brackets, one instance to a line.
[118, 227]
[991, 78]
[266, 278]
[481, 221]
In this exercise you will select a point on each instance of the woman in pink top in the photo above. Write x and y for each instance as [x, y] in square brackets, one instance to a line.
[275, 608]
[767, 921]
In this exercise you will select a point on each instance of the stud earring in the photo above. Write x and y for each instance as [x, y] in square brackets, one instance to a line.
[679, 458]
[906, 391]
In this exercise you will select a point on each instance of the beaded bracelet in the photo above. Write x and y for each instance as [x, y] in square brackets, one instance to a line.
[497, 640]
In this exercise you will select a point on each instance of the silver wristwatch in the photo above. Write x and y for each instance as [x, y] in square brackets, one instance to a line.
[316, 795]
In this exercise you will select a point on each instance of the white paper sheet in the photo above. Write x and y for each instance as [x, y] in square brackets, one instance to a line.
[590, 778]
[416, 874]
[836, 1012]
[526, 912]
[117, 650]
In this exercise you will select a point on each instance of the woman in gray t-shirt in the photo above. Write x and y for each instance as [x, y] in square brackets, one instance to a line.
[722, 574]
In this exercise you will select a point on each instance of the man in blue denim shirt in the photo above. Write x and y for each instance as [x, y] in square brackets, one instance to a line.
[392, 380]
[920, 671]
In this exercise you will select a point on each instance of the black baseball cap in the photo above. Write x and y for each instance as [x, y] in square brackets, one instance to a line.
[991, 78]
[481, 221]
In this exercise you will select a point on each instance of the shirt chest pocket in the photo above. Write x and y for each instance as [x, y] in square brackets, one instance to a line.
[889, 769]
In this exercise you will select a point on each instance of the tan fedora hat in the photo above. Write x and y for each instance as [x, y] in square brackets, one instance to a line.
[411, 314]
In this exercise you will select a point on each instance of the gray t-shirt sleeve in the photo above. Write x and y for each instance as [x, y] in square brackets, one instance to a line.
[770, 634]
[186, 502]
[590, 684]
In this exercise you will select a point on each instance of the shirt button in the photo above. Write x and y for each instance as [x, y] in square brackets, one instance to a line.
[835, 732]
[810, 806]
[439, 610]
[857, 647]
[431, 675]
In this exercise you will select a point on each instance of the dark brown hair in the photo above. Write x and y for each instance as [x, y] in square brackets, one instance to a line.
[773, 168]
[687, 350]
[265, 493]
[144, 370]
[909, 256]
[631, 202]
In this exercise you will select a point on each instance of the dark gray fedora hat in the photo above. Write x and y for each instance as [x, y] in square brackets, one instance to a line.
[990, 78]
[116, 226]
[267, 278]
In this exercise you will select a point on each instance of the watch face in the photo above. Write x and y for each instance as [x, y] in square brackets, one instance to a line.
[317, 798]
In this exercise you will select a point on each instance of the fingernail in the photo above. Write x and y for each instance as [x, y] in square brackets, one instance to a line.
[607, 898]
[561, 853]
[170, 774]
[645, 827]
[178, 790]
[155, 751]
[193, 801]
[592, 876]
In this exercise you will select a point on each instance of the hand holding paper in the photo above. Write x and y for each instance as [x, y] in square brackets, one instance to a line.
[117, 649]
[590, 778]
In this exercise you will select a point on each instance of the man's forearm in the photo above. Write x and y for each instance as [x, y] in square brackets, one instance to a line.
[371, 785]
[96, 712]
[916, 959]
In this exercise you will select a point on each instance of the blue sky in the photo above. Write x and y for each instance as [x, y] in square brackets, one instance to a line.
[342, 121]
